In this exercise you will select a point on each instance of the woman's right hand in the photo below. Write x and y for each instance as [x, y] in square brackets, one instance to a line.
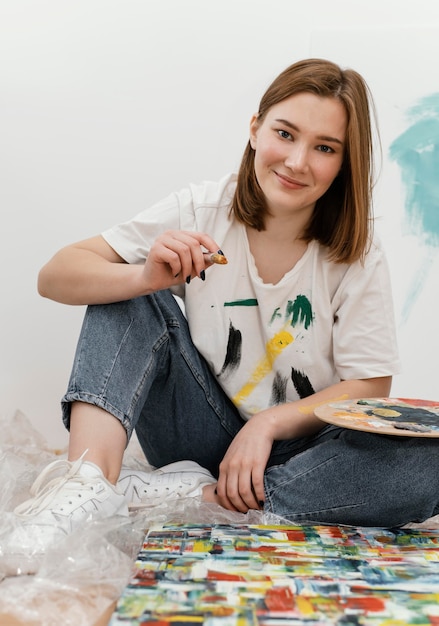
[91, 271]
[176, 256]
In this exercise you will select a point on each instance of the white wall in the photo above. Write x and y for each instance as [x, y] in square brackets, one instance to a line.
[107, 105]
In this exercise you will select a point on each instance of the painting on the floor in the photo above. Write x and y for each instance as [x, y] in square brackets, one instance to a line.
[255, 575]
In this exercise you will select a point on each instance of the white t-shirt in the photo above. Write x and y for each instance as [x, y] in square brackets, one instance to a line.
[321, 323]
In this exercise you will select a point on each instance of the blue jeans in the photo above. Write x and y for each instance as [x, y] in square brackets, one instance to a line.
[136, 360]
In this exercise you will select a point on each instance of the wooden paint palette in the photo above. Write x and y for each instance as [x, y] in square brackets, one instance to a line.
[388, 416]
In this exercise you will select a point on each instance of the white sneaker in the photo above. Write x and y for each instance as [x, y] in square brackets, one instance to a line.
[183, 479]
[65, 495]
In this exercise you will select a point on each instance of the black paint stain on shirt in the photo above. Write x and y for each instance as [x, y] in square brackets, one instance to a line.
[279, 390]
[301, 383]
[233, 352]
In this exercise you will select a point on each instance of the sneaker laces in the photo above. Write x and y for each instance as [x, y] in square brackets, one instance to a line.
[44, 491]
[174, 481]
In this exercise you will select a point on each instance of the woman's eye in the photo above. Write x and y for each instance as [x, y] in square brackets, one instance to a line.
[284, 134]
[325, 149]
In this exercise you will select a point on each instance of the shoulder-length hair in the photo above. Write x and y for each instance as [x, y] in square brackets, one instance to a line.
[342, 217]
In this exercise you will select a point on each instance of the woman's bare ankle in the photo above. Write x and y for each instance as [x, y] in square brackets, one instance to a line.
[99, 436]
[209, 494]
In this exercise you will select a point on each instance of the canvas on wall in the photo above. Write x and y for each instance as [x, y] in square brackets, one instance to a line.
[400, 66]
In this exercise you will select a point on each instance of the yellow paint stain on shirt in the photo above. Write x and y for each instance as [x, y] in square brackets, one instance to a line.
[273, 349]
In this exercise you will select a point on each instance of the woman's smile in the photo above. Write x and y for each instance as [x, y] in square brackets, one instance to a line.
[289, 182]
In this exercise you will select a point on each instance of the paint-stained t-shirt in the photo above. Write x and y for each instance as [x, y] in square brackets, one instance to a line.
[272, 343]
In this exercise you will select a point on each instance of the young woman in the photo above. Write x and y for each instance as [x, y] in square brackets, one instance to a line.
[222, 397]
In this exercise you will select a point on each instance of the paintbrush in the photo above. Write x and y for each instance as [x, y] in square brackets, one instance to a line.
[216, 257]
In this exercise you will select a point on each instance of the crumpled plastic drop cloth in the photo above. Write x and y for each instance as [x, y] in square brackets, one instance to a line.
[83, 574]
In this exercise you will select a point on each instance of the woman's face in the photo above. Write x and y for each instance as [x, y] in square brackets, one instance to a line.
[299, 149]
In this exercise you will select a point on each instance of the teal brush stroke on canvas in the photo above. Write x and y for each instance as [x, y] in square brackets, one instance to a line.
[416, 151]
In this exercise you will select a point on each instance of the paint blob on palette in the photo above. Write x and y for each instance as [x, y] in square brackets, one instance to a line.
[388, 416]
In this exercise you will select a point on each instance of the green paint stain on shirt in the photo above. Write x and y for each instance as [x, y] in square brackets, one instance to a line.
[276, 314]
[248, 302]
[300, 311]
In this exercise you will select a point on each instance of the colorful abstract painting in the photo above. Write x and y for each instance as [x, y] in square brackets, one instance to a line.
[255, 575]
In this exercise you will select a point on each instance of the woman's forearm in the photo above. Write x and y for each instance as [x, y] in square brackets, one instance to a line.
[81, 276]
[297, 419]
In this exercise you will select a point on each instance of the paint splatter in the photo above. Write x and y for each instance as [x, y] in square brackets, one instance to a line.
[276, 314]
[273, 349]
[233, 352]
[297, 312]
[279, 390]
[310, 408]
[248, 302]
[301, 383]
[300, 311]
[416, 151]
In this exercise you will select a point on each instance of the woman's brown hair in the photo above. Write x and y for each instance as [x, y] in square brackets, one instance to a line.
[341, 219]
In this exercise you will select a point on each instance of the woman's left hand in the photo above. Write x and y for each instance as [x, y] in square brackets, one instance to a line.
[241, 473]
[241, 479]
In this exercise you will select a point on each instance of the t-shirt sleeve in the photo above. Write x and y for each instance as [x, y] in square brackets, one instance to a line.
[133, 239]
[365, 344]
[195, 208]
